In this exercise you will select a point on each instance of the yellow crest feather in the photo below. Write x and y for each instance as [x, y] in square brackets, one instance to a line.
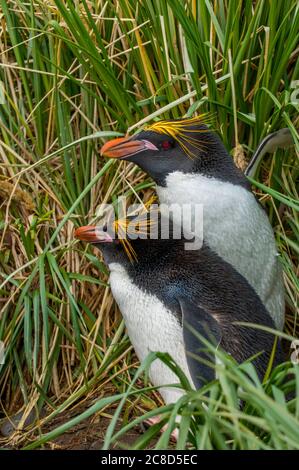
[124, 227]
[180, 130]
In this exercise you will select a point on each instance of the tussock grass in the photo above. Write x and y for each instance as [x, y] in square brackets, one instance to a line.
[73, 75]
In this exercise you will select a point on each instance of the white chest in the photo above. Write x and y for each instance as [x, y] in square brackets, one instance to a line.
[235, 227]
[151, 327]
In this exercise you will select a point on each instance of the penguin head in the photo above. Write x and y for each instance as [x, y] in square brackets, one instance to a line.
[156, 154]
[119, 240]
[110, 246]
[184, 145]
[134, 239]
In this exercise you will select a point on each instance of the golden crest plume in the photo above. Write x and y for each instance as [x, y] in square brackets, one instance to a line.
[181, 131]
[134, 224]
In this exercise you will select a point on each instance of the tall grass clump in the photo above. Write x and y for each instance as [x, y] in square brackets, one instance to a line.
[73, 74]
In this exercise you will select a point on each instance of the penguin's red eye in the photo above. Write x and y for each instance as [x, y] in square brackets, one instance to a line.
[166, 145]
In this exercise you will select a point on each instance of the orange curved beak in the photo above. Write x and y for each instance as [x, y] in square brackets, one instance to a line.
[125, 147]
[92, 234]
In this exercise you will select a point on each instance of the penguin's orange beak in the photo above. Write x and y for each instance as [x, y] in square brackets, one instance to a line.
[92, 234]
[124, 147]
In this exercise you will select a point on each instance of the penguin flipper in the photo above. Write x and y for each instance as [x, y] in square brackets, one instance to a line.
[279, 139]
[197, 319]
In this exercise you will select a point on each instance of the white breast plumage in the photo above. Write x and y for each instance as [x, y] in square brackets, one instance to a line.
[235, 227]
[151, 327]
